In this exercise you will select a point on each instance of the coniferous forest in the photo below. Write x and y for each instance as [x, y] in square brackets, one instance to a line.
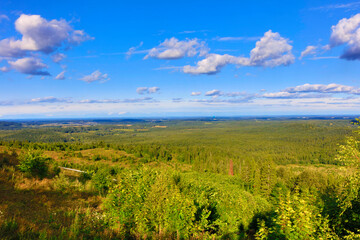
[180, 179]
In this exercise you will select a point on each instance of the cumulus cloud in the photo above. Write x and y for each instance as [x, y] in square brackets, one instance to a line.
[270, 51]
[60, 76]
[39, 34]
[309, 50]
[29, 65]
[9, 49]
[147, 90]
[213, 63]
[347, 31]
[58, 57]
[96, 76]
[195, 93]
[174, 49]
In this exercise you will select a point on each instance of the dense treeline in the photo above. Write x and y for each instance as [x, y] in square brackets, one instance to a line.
[209, 146]
[9, 125]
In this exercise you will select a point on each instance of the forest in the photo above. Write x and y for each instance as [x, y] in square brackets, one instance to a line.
[265, 178]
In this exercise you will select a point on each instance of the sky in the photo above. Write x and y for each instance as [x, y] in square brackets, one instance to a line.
[120, 59]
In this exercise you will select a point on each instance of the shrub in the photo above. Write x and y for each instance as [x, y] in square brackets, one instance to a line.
[102, 180]
[35, 163]
[296, 217]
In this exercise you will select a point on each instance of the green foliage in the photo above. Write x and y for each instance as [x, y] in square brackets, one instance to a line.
[349, 153]
[103, 180]
[348, 199]
[203, 145]
[88, 225]
[288, 179]
[296, 217]
[165, 203]
[34, 163]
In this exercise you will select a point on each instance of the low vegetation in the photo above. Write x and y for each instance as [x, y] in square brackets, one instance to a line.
[190, 180]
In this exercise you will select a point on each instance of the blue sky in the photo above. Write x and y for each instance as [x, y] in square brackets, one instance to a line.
[188, 58]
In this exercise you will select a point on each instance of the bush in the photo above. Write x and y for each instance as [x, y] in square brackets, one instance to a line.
[103, 180]
[34, 163]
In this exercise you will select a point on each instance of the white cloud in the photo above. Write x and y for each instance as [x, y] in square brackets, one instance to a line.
[278, 95]
[347, 31]
[195, 93]
[352, 5]
[309, 50]
[108, 101]
[225, 39]
[4, 17]
[39, 34]
[313, 91]
[5, 69]
[58, 57]
[213, 93]
[291, 95]
[270, 51]
[235, 94]
[79, 36]
[326, 57]
[153, 89]
[174, 49]
[48, 100]
[321, 88]
[96, 76]
[132, 50]
[142, 90]
[213, 63]
[217, 106]
[147, 90]
[9, 48]
[29, 65]
[60, 76]
[177, 100]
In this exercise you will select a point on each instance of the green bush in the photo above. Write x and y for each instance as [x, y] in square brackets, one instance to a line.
[167, 204]
[296, 217]
[34, 163]
[103, 180]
